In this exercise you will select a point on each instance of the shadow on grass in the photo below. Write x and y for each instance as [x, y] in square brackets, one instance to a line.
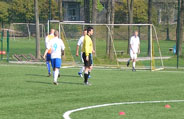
[37, 75]
[72, 83]
[69, 75]
[40, 82]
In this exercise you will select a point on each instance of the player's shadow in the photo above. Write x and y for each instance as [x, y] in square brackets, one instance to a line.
[40, 82]
[70, 83]
[64, 75]
[36, 75]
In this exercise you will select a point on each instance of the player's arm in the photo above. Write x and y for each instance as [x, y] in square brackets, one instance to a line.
[45, 53]
[48, 46]
[62, 49]
[77, 50]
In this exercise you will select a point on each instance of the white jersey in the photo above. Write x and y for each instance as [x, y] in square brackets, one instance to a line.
[80, 41]
[48, 39]
[134, 42]
[56, 46]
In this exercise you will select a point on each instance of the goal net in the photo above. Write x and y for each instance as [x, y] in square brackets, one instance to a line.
[26, 30]
[111, 43]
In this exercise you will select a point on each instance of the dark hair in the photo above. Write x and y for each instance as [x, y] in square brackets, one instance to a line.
[89, 29]
[85, 30]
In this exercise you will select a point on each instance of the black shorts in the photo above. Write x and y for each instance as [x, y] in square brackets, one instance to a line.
[89, 62]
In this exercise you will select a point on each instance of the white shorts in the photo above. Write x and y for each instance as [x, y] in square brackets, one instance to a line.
[82, 57]
[132, 55]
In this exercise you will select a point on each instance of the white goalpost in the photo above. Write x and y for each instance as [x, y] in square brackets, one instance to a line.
[26, 30]
[119, 39]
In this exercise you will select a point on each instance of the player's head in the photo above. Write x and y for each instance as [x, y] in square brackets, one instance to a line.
[136, 33]
[90, 31]
[56, 33]
[85, 32]
[52, 31]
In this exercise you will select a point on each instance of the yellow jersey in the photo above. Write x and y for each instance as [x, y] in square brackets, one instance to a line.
[87, 45]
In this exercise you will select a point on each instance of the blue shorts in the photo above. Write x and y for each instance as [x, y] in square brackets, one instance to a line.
[56, 63]
[48, 57]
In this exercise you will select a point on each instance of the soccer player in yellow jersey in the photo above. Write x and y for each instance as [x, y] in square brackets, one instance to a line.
[48, 57]
[87, 50]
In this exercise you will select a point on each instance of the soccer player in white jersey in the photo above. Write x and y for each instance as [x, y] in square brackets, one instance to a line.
[134, 49]
[48, 58]
[57, 48]
[80, 44]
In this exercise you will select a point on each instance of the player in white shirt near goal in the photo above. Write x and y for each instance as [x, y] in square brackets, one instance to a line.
[57, 48]
[134, 49]
[80, 44]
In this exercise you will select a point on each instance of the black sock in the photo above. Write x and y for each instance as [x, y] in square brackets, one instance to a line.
[89, 73]
[85, 78]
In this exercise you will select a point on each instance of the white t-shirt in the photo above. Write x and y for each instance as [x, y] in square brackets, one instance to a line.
[48, 39]
[134, 42]
[56, 46]
[80, 41]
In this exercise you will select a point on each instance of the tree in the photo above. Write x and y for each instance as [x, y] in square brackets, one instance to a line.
[23, 8]
[3, 12]
[94, 16]
[180, 30]
[60, 7]
[130, 4]
[149, 22]
[111, 54]
[108, 22]
[110, 29]
[37, 29]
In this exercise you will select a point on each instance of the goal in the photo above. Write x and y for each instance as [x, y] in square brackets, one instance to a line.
[26, 30]
[111, 43]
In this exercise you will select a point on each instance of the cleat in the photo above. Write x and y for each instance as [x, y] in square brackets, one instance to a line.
[87, 83]
[80, 74]
[49, 75]
[55, 83]
[134, 70]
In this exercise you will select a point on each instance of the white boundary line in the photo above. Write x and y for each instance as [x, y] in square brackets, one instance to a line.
[67, 114]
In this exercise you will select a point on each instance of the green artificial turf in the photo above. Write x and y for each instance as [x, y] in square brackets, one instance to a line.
[27, 93]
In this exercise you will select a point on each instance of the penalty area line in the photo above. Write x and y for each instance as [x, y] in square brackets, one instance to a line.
[67, 114]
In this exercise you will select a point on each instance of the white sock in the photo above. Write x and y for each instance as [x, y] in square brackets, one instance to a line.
[133, 64]
[82, 69]
[56, 75]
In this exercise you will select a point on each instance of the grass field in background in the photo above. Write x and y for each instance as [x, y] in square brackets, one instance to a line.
[26, 93]
[25, 46]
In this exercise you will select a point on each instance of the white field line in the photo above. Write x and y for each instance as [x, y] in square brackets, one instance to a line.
[67, 114]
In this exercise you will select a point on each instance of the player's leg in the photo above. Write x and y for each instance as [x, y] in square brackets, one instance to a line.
[134, 62]
[131, 58]
[87, 66]
[91, 67]
[48, 64]
[53, 66]
[56, 70]
[128, 62]
[82, 68]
